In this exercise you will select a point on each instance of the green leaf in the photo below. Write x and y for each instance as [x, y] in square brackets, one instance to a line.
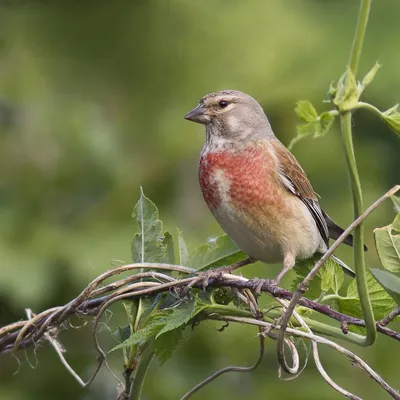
[347, 94]
[382, 303]
[369, 77]
[326, 120]
[165, 345]
[387, 242]
[391, 110]
[183, 250]
[131, 308]
[142, 335]
[147, 245]
[332, 90]
[219, 252]
[178, 317]
[302, 268]
[168, 242]
[393, 121]
[306, 111]
[396, 202]
[164, 321]
[332, 276]
[390, 282]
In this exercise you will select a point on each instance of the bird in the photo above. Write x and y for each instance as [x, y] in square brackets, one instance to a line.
[254, 186]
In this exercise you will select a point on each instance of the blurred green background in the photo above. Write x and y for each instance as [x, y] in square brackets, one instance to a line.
[92, 98]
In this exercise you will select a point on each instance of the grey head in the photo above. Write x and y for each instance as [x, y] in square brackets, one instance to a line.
[231, 115]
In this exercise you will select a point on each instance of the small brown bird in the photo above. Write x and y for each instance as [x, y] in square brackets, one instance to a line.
[255, 187]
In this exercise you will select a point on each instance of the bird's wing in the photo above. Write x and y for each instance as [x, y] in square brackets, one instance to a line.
[295, 180]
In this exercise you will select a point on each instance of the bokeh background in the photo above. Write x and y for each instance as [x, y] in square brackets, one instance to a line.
[92, 98]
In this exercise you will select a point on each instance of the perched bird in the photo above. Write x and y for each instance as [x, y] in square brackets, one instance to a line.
[254, 186]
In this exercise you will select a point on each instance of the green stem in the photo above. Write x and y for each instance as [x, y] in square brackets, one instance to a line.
[362, 22]
[347, 138]
[141, 371]
[369, 107]
[321, 328]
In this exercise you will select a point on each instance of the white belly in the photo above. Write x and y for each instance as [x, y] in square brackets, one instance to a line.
[267, 242]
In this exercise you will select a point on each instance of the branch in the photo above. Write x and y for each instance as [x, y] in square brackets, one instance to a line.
[302, 287]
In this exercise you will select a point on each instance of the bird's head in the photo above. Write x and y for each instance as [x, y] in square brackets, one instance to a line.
[230, 114]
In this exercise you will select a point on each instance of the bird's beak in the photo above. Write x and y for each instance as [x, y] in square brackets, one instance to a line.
[197, 115]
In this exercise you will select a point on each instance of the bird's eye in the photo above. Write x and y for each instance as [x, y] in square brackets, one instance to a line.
[223, 103]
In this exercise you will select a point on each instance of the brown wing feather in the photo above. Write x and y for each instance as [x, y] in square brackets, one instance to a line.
[295, 180]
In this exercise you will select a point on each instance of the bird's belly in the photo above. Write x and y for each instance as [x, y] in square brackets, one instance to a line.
[261, 245]
[261, 234]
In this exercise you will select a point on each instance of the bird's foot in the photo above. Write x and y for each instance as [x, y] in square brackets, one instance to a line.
[258, 284]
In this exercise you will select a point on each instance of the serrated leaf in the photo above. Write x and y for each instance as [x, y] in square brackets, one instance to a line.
[142, 335]
[332, 90]
[131, 309]
[396, 202]
[178, 317]
[369, 77]
[168, 242]
[302, 268]
[382, 303]
[391, 110]
[165, 345]
[329, 277]
[183, 250]
[147, 245]
[390, 282]
[219, 252]
[165, 321]
[393, 121]
[306, 111]
[326, 279]
[387, 242]
[303, 130]
[347, 94]
[326, 120]
[122, 333]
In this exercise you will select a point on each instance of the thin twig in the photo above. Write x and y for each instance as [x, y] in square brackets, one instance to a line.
[354, 359]
[389, 318]
[302, 287]
[228, 369]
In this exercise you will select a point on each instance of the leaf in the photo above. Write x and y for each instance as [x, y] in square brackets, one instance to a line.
[147, 246]
[165, 321]
[183, 250]
[393, 121]
[326, 120]
[220, 252]
[396, 202]
[316, 126]
[387, 242]
[178, 317]
[165, 345]
[369, 77]
[347, 94]
[306, 111]
[168, 242]
[131, 309]
[142, 335]
[382, 303]
[390, 282]
[329, 277]
[302, 268]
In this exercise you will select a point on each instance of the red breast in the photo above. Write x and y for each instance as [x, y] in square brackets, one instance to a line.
[245, 177]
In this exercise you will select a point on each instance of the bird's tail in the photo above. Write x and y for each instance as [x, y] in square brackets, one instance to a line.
[346, 269]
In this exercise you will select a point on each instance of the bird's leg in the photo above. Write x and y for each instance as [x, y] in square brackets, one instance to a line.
[288, 263]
